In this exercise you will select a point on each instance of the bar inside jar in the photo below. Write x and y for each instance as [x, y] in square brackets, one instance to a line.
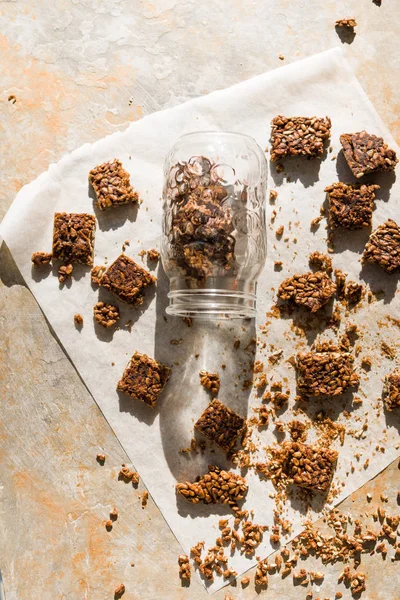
[202, 197]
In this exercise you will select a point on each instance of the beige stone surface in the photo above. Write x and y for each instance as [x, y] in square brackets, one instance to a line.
[73, 71]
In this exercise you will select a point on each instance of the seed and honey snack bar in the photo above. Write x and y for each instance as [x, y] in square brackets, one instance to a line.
[111, 184]
[221, 425]
[350, 205]
[311, 290]
[383, 247]
[299, 136]
[391, 390]
[127, 280]
[310, 467]
[73, 237]
[325, 373]
[144, 379]
[366, 153]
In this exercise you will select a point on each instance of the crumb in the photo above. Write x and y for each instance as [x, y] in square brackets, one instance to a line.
[153, 254]
[279, 231]
[78, 320]
[113, 514]
[145, 497]
[273, 195]
[119, 591]
[101, 458]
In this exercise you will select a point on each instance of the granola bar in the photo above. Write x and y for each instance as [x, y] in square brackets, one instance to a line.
[383, 246]
[106, 314]
[144, 379]
[311, 290]
[366, 153]
[310, 467]
[350, 205]
[127, 280]
[299, 136]
[221, 425]
[215, 487]
[73, 237]
[111, 184]
[391, 390]
[325, 373]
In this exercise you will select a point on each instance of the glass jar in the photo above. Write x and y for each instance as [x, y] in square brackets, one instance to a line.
[214, 241]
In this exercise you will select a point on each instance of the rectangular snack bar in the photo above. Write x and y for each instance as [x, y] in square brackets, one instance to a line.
[311, 290]
[383, 247]
[215, 487]
[127, 280]
[111, 184]
[391, 390]
[144, 379]
[325, 373]
[299, 136]
[366, 153]
[73, 237]
[310, 467]
[221, 425]
[350, 205]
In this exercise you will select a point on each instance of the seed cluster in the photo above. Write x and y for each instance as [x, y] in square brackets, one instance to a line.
[106, 315]
[215, 487]
[210, 381]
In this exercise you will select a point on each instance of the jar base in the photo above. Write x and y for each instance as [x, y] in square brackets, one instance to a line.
[212, 304]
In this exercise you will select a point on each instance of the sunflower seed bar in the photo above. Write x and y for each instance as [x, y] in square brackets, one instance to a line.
[311, 290]
[310, 467]
[391, 390]
[215, 487]
[383, 246]
[112, 185]
[350, 205]
[127, 280]
[366, 153]
[221, 425]
[73, 237]
[144, 379]
[325, 373]
[298, 136]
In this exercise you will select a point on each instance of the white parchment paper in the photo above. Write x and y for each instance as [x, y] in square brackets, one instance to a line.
[321, 85]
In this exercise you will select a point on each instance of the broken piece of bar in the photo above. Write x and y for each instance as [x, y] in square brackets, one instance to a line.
[350, 204]
[311, 290]
[349, 23]
[299, 136]
[391, 390]
[310, 467]
[366, 153]
[111, 184]
[210, 381]
[383, 247]
[215, 487]
[105, 315]
[144, 379]
[127, 280]
[325, 373]
[73, 237]
[221, 425]
[41, 259]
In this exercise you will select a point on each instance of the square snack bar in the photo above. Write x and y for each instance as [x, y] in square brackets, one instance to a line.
[127, 280]
[325, 373]
[383, 247]
[310, 467]
[350, 205]
[221, 425]
[299, 136]
[366, 153]
[73, 238]
[144, 379]
[111, 184]
[391, 390]
[311, 290]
